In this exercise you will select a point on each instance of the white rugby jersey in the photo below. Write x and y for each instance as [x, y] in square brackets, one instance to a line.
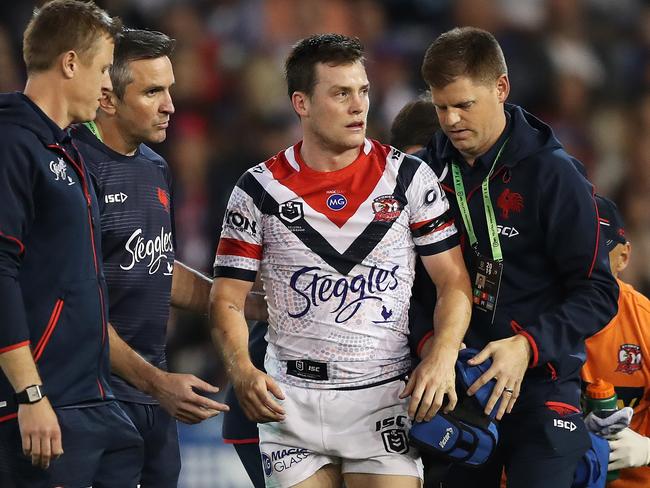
[337, 253]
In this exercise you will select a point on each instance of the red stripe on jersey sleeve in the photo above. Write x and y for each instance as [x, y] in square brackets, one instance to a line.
[234, 247]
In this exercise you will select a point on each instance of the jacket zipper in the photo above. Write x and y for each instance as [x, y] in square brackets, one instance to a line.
[84, 184]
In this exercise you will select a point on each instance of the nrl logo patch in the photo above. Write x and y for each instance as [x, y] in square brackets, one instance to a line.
[291, 211]
[629, 358]
[395, 441]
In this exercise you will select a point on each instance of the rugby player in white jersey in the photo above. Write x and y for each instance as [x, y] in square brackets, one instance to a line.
[333, 224]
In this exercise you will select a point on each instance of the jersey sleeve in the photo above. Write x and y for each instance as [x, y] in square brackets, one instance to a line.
[239, 252]
[431, 221]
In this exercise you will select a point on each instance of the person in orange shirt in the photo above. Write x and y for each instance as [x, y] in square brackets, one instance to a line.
[619, 353]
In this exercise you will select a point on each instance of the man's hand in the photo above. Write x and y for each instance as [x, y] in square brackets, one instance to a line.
[255, 391]
[510, 359]
[40, 432]
[628, 449]
[433, 378]
[176, 395]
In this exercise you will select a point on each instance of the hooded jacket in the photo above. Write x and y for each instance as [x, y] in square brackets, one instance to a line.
[556, 288]
[52, 290]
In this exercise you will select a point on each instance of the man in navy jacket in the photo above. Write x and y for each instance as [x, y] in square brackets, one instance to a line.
[55, 398]
[541, 281]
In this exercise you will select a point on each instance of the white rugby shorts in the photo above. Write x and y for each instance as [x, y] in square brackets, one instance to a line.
[363, 430]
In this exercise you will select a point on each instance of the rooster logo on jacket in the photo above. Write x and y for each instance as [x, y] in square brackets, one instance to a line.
[510, 201]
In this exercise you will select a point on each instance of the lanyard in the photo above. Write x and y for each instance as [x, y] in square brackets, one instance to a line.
[92, 127]
[461, 198]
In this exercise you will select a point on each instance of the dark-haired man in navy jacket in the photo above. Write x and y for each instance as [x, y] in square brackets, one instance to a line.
[541, 280]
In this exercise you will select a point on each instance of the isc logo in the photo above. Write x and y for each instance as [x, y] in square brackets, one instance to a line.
[336, 202]
[564, 424]
[116, 198]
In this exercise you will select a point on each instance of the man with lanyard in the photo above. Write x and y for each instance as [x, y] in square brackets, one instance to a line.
[541, 281]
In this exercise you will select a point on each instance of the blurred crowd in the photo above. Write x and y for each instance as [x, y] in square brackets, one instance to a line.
[583, 66]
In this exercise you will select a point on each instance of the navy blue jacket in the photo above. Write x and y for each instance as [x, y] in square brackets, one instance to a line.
[52, 290]
[557, 288]
[136, 213]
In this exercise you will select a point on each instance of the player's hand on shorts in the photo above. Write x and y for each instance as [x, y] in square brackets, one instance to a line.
[257, 393]
[40, 432]
[432, 380]
[510, 359]
[177, 394]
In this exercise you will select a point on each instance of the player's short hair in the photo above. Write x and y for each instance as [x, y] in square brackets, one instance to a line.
[65, 25]
[414, 125]
[133, 45]
[332, 49]
[463, 51]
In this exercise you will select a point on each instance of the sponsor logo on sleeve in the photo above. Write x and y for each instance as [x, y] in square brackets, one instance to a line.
[237, 221]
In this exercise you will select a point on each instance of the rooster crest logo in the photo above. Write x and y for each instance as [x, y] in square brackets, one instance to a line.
[163, 198]
[510, 201]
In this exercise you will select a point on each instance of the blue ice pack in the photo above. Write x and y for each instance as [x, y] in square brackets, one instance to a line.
[466, 435]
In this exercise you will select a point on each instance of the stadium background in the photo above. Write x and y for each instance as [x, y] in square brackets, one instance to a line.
[581, 65]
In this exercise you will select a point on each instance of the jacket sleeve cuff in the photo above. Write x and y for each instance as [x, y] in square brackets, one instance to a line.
[534, 360]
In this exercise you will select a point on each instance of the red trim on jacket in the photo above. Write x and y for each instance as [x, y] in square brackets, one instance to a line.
[47, 333]
[533, 345]
[422, 341]
[8, 417]
[14, 346]
[21, 246]
[253, 440]
[562, 408]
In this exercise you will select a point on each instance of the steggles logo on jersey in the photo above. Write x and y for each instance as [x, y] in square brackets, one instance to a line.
[163, 198]
[60, 171]
[316, 289]
[291, 211]
[153, 250]
[387, 208]
[629, 358]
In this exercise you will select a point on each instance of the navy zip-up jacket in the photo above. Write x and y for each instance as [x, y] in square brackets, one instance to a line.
[557, 288]
[52, 289]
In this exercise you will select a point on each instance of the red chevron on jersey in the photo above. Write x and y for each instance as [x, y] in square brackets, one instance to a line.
[353, 183]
